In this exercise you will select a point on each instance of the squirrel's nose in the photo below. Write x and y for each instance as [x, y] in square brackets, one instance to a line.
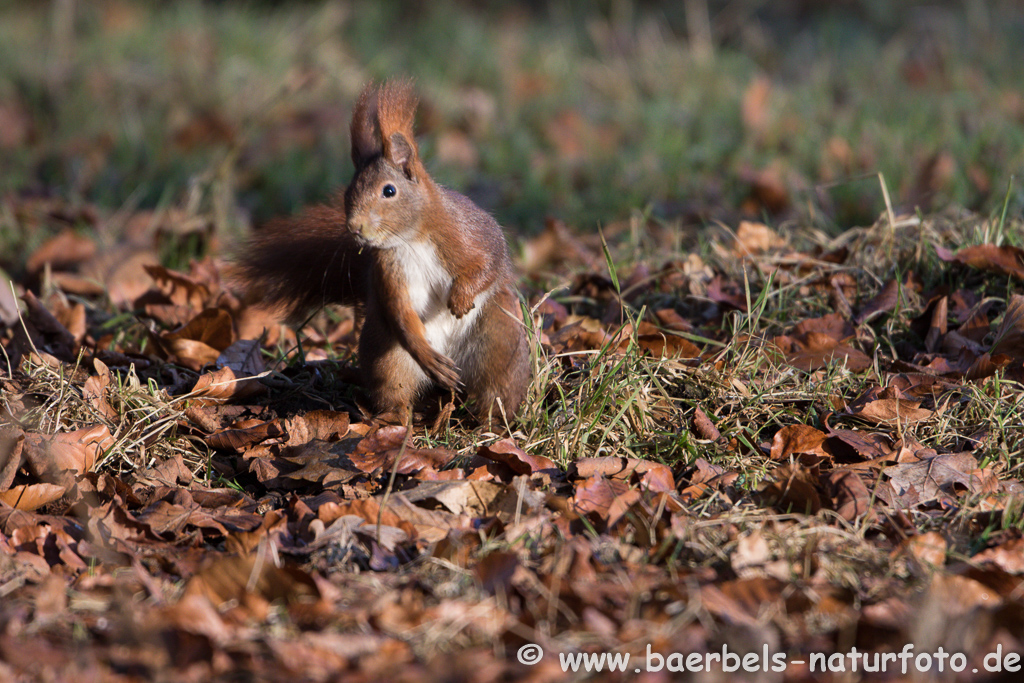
[356, 225]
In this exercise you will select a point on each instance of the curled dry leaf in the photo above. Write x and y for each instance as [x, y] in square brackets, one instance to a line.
[179, 288]
[891, 411]
[1010, 335]
[663, 344]
[243, 435]
[243, 357]
[378, 452]
[94, 391]
[251, 582]
[815, 350]
[752, 552]
[671, 320]
[1008, 556]
[929, 549]
[12, 444]
[508, 453]
[849, 444]
[596, 495]
[69, 248]
[474, 498]
[53, 457]
[798, 439]
[200, 341]
[223, 385]
[892, 295]
[1006, 259]
[793, 487]
[704, 427]
[938, 325]
[928, 479]
[31, 496]
[850, 496]
[322, 425]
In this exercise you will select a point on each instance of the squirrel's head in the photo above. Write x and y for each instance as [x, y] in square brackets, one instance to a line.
[386, 198]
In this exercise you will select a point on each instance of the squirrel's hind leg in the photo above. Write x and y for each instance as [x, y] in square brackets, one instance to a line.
[496, 369]
[392, 377]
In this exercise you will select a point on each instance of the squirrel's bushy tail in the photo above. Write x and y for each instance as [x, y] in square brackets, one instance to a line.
[301, 263]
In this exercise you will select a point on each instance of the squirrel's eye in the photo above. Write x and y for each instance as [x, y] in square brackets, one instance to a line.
[389, 191]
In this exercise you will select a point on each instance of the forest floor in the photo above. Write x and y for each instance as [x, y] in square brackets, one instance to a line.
[776, 425]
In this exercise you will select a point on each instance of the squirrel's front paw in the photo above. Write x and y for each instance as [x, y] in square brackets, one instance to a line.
[460, 302]
[443, 371]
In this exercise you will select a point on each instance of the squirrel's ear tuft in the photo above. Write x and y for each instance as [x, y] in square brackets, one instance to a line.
[365, 132]
[396, 112]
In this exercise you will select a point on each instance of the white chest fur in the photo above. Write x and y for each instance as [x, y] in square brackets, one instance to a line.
[428, 284]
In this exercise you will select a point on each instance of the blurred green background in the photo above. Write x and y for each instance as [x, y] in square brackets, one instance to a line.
[685, 111]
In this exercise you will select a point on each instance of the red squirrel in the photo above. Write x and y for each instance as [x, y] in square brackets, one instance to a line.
[429, 269]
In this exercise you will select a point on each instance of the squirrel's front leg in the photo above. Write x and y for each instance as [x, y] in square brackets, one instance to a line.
[475, 276]
[407, 326]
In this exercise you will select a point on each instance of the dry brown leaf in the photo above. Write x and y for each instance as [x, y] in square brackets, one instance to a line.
[476, 498]
[929, 549]
[241, 437]
[817, 350]
[751, 554]
[661, 344]
[891, 411]
[1005, 259]
[211, 327]
[755, 238]
[322, 425]
[12, 445]
[508, 453]
[94, 391]
[703, 427]
[851, 445]
[947, 474]
[649, 475]
[792, 487]
[554, 246]
[1008, 556]
[832, 325]
[596, 495]
[191, 353]
[892, 295]
[69, 248]
[1010, 335]
[180, 289]
[252, 582]
[31, 496]
[222, 385]
[585, 334]
[54, 457]
[244, 357]
[727, 292]
[671, 320]
[797, 439]
[850, 496]
[123, 271]
[938, 325]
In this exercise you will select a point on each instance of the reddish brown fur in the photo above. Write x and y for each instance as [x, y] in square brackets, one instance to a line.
[304, 262]
[491, 358]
